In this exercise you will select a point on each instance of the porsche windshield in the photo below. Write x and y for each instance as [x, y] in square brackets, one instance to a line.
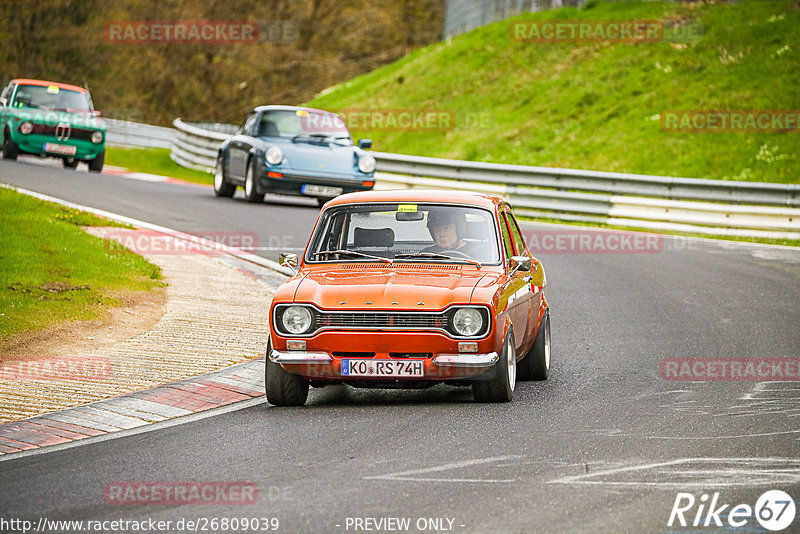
[302, 124]
[405, 232]
[51, 98]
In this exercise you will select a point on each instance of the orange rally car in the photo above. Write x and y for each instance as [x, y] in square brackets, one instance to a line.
[407, 289]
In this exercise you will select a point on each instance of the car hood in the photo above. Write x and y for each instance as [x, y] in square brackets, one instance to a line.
[389, 288]
[53, 117]
[309, 157]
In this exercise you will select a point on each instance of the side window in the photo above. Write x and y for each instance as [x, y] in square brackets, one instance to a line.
[506, 237]
[249, 122]
[8, 92]
[516, 234]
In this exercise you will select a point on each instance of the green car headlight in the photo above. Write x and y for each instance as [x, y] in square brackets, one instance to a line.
[26, 127]
[97, 137]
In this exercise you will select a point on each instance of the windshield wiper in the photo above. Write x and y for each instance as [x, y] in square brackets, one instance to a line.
[352, 253]
[302, 137]
[435, 255]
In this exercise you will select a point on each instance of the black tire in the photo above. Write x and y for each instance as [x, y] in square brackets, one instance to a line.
[283, 388]
[536, 364]
[70, 163]
[222, 187]
[10, 148]
[96, 165]
[500, 387]
[250, 192]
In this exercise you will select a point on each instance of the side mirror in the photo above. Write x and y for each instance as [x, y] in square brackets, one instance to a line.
[519, 263]
[288, 259]
[365, 143]
[3, 102]
[96, 113]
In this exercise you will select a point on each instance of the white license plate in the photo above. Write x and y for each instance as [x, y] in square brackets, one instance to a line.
[54, 148]
[383, 368]
[321, 190]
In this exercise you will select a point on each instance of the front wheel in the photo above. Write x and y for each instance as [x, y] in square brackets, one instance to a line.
[222, 187]
[96, 165]
[283, 388]
[500, 387]
[250, 192]
[536, 364]
[10, 148]
[70, 163]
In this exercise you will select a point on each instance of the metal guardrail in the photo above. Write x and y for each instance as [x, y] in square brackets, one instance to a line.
[134, 134]
[196, 144]
[711, 207]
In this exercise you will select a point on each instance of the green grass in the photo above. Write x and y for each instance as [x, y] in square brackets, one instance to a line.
[154, 161]
[597, 105]
[52, 271]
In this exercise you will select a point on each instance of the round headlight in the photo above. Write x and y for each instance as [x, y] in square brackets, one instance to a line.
[296, 319]
[97, 137]
[274, 155]
[25, 128]
[467, 321]
[366, 164]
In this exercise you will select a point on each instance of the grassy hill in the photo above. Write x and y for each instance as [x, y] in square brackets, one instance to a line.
[597, 105]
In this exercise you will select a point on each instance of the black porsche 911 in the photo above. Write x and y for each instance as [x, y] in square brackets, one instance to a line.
[293, 151]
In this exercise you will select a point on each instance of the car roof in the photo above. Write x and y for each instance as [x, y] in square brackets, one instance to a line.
[25, 81]
[289, 108]
[482, 200]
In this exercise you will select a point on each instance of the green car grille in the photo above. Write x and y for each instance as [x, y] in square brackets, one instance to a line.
[63, 133]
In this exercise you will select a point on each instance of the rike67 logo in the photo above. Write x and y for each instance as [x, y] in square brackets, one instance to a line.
[774, 511]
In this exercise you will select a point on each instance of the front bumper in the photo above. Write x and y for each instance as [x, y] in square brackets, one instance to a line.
[291, 182]
[480, 361]
[438, 353]
[35, 144]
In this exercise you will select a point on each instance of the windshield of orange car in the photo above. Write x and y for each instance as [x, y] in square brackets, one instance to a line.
[51, 98]
[405, 233]
[303, 124]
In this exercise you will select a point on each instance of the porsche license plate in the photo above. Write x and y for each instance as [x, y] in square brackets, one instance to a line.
[321, 190]
[383, 368]
[55, 148]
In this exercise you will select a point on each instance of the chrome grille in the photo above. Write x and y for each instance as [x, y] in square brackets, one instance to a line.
[412, 321]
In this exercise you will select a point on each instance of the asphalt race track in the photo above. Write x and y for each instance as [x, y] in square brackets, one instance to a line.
[605, 445]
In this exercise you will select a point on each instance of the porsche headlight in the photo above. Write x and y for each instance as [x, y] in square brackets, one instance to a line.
[274, 155]
[97, 137]
[25, 128]
[366, 164]
[296, 319]
[467, 322]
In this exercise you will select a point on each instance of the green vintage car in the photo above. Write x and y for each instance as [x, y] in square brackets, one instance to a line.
[51, 119]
